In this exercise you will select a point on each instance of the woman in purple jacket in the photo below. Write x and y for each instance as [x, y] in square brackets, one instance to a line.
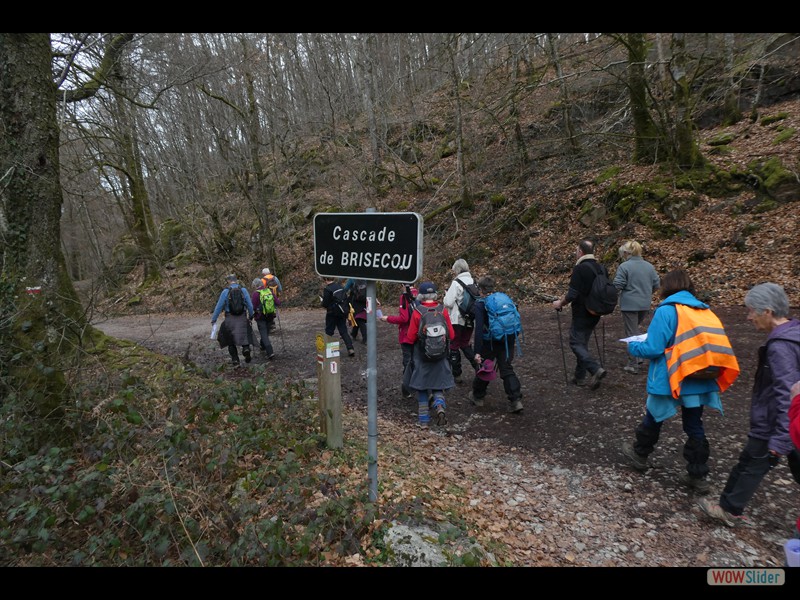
[778, 368]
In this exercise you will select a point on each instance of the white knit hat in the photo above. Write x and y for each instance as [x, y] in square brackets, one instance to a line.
[265, 271]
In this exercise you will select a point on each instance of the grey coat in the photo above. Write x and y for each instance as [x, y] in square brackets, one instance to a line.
[428, 375]
[235, 331]
[637, 280]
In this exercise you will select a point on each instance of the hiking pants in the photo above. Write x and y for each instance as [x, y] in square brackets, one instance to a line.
[746, 476]
[501, 351]
[408, 363]
[632, 321]
[696, 449]
[263, 330]
[332, 323]
[235, 353]
[361, 325]
[580, 333]
[461, 343]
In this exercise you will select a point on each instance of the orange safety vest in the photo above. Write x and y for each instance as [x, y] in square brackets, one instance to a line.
[700, 343]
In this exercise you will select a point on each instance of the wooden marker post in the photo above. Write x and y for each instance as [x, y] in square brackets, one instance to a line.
[330, 389]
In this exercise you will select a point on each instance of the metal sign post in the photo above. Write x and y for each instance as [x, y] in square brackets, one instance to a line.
[375, 247]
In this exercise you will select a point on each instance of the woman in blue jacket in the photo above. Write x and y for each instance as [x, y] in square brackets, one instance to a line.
[695, 394]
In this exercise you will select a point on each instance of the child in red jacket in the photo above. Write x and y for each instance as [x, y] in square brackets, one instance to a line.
[408, 298]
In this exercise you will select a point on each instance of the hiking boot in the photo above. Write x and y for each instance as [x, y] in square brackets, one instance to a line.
[630, 369]
[582, 382]
[699, 484]
[236, 364]
[351, 352]
[405, 392]
[715, 511]
[271, 356]
[477, 402]
[458, 379]
[637, 461]
[247, 357]
[439, 417]
[515, 407]
[594, 381]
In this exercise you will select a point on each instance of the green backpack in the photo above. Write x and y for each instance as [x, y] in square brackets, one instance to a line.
[267, 300]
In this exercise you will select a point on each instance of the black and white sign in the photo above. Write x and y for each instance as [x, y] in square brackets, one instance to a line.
[375, 246]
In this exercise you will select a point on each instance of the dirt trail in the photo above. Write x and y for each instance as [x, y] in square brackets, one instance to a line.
[557, 466]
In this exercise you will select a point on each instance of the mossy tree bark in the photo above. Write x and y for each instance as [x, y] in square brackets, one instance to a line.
[731, 109]
[647, 137]
[42, 318]
[42, 322]
[686, 150]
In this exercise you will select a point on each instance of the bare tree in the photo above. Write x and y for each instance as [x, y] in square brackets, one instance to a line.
[552, 44]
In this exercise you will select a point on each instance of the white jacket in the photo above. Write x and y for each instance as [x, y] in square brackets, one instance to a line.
[453, 296]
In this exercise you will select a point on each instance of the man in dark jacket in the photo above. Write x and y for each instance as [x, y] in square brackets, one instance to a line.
[334, 319]
[588, 371]
[768, 438]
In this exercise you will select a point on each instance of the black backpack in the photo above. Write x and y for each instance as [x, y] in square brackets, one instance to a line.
[433, 335]
[235, 301]
[341, 305]
[602, 298]
[360, 293]
[471, 293]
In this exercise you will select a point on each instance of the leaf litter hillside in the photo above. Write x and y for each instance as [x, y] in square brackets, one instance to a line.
[521, 221]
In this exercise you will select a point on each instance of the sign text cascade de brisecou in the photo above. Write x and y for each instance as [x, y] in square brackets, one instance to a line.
[354, 258]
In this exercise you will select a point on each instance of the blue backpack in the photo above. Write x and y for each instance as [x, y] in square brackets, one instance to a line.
[504, 319]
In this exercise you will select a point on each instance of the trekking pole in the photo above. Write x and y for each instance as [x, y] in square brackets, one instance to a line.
[280, 328]
[597, 344]
[561, 345]
[604, 342]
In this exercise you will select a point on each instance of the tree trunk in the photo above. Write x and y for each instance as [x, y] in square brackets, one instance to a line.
[645, 131]
[141, 216]
[562, 86]
[41, 314]
[687, 152]
[463, 195]
[731, 109]
[260, 191]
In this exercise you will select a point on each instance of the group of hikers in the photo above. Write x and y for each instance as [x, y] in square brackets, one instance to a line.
[241, 308]
[690, 360]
